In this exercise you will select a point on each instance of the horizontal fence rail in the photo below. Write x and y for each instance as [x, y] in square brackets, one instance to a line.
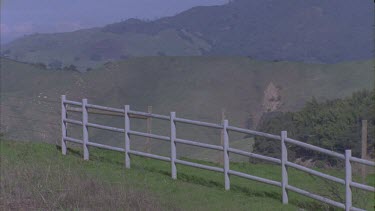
[362, 186]
[316, 173]
[103, 127]
[72, 121]
[148, 135]
[252, 132]
[362, 161]
[74, 140]
[315, 148]
[198, 123]
[144, 114]
[316, 197]
[198, 144]
[100, 110]
[66, 102]
[104, 108]
[106, 147]
[251, 177]
[201, 166]
[253, 155]
[127, 114]
[148, 155]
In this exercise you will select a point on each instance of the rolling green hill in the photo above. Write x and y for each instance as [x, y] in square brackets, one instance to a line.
[311, 31]
[195, 87]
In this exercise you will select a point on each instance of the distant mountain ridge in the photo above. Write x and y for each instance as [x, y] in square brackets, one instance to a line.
[316, 31]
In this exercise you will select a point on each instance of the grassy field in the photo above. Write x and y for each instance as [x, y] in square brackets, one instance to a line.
[195, 87]
[37, 176]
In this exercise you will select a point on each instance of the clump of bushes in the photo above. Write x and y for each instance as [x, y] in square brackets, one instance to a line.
[333, 124]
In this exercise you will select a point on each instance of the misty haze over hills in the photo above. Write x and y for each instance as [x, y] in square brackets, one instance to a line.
[310, 31]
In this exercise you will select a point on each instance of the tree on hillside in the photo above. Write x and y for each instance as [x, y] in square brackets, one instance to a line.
[334, 125]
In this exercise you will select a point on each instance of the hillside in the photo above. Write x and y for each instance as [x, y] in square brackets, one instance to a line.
[311, 31]
[194, 87]
[36, 176]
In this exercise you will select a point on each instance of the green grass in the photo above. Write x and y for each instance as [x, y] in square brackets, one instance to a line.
[195, 87]
[194, 189]
[212, 155]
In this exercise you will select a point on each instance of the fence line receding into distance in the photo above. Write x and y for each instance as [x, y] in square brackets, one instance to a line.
[128, 114]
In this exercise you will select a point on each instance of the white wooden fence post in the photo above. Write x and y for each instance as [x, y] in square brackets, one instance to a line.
[63, 125]
[173, 146]
[85, 130]
[221, 154]
[226, 154]
[348, 180]
[364, 150]
[149, 130]
[127, 138]
[284, 171]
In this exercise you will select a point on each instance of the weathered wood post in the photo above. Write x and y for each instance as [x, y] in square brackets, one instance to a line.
[348, 180]
[85, 130]
[127, 137]
[173, 146]
[226, 154]
[149, 130]
[364, 150]
[284, 170]
[63, 125]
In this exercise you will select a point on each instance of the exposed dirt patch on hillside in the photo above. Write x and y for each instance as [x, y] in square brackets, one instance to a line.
[271, 101]
[271, 98]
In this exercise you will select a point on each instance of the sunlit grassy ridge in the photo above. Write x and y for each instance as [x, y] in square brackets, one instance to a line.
[36, 175]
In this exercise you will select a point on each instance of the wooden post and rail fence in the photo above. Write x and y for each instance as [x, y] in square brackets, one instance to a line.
[225, 148]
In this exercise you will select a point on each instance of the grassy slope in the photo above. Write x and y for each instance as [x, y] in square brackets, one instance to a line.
[242, 28]
[79, 47]
[37, 174]
[194, 87]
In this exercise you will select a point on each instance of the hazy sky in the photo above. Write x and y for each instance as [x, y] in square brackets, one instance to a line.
[20, 17]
